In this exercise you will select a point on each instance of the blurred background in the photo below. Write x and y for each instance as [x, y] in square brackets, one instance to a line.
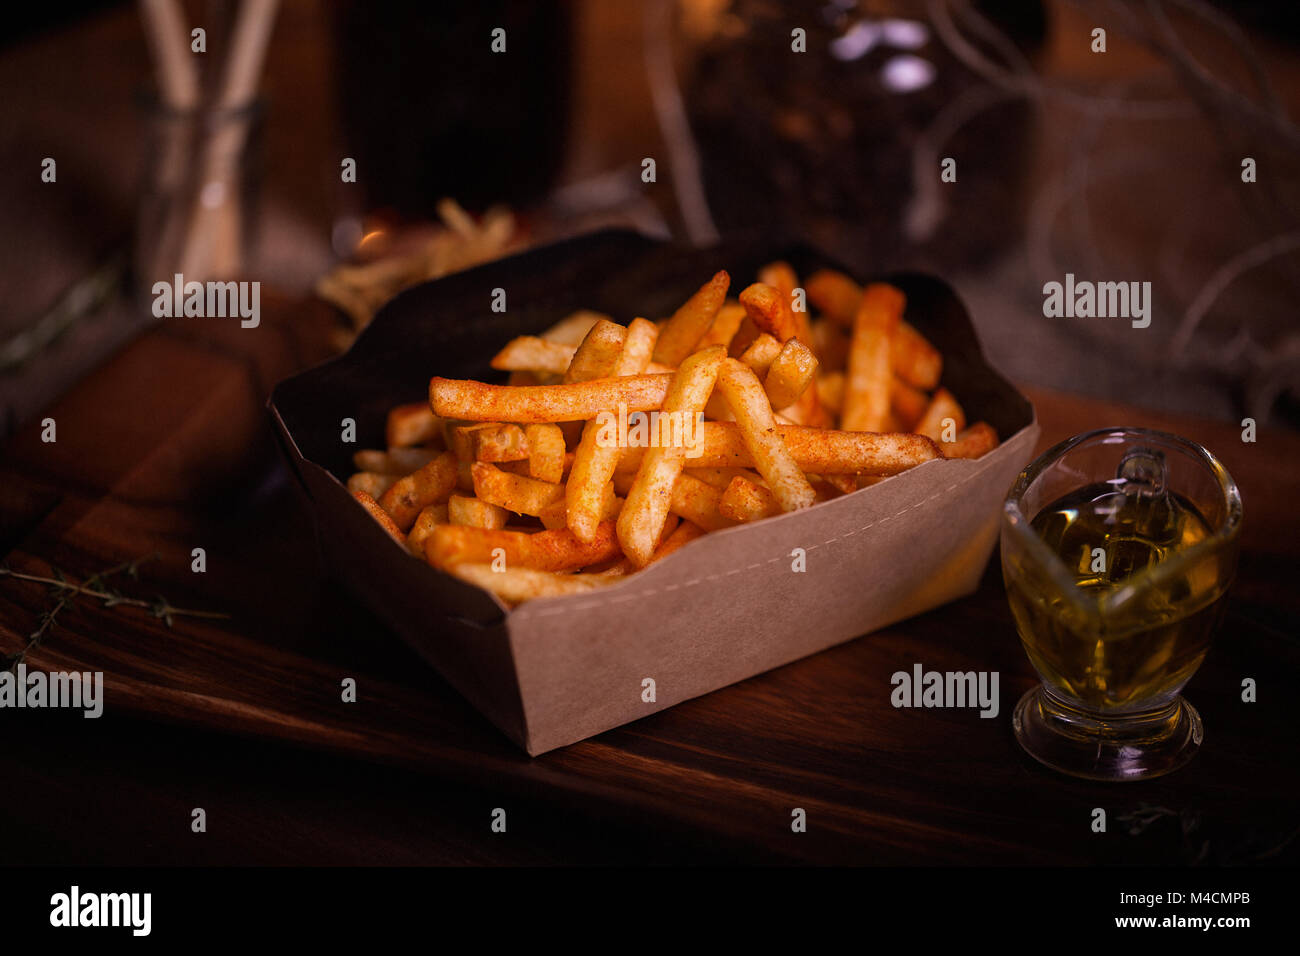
[1122, 165]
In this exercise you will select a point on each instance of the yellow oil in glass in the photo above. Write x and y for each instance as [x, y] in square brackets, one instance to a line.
[1141, 655]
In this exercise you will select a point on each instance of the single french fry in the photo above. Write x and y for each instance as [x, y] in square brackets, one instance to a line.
[973, 442]
[681, 334]
[835, 295]
[770, 311]
[523, 496]
[371, 482]
[557, 550]
[746, 500]
[545, 452]
[761, 353]
[475, 512]
[781, 276]
[843, 484]
[381, 516]
[597, 354]
[516, 585]
[593, 461]
[573, 328]
[464, 475]
[867, 386]
[744, 337]
[907, 403]
[490, 441]
[638, 349]
[413, 424]
[580, 401]
[830, 390]
[753, 411]
[943, 408]
[531, 353]
[646, 508]
[915, 360]
[790, 373]
[725, 325]
[430, 485]
[425, 522]
[821, 451]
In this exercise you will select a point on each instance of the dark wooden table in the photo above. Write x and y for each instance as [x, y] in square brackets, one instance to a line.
[167, 448]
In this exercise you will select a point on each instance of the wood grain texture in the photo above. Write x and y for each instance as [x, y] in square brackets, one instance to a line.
[166, 448]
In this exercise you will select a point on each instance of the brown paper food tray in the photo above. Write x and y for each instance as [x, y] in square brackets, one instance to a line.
[727, 606]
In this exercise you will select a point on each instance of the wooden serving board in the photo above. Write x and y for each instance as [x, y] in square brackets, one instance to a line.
[167, 448]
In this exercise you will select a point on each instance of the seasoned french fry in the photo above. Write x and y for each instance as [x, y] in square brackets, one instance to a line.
[770, 311]
[746, 500]
[646, 508]
[830, 390]
[545, 452]
[867, 387]
[973, 442]
[531, 353]
[761, 353]
[594, 463]
[573, 328]
[475, 512]
[476, 401]
[835, 295]
[907, 403]
[943, 406]
[430, 485]
[516, 585]
[413, 424]
[790, 373]
[915, 360]
[682, 333]
[758, 430]
[725, 325]
[425, 522]
[490, 441]
[597, 354]
[556, 550]
[524, 496]
[371, 482]
[822, 451]
[381, 516]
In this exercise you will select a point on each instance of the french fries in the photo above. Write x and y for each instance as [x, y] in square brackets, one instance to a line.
[758, 431]
[646, 509]
[545, 403]
[867, 386]
[682, 333]
[744, 410]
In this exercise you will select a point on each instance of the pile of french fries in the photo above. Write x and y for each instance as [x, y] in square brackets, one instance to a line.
[517, 488]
